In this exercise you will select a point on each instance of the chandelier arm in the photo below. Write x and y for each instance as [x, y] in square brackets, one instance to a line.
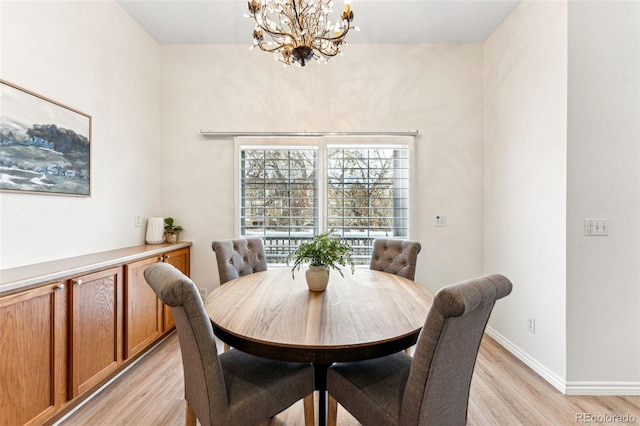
[279, 17]
[298, 19]
[345, 31]
[327, 54]
[335, 38]
[266, 49]
[291, 16]
[296, 15]
[272, 33]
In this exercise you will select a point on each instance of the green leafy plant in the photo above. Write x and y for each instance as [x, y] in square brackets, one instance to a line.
[170, 227]
[323, 250]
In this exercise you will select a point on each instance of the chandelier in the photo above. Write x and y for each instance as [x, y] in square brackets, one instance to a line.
[299, 30]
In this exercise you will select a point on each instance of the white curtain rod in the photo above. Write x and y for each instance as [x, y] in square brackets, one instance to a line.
[226, 135]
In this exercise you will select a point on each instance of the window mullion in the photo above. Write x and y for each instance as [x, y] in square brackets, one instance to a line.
[322, 185]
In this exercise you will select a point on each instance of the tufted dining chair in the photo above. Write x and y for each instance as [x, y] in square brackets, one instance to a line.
[233, 388]
[239, 257]
[432, 388]
[398, 257]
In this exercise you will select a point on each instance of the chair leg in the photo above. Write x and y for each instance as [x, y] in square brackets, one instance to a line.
[226, 347]
[332, 415]
[190, 418]
[308, 410]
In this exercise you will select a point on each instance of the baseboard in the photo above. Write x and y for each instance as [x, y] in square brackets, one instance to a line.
[553, 379]
[567, 388]
[603, 388]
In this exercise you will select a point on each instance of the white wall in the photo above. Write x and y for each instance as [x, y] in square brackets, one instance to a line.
[562, 143]
[603, 273]
[93, 57]
[436, 89]
[525, 114]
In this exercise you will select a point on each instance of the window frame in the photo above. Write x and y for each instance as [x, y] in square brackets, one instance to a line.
[322, 143]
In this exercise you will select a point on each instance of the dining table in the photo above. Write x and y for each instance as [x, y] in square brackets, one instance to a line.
[361, 315]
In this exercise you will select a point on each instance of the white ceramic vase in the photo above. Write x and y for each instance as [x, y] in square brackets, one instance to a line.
[317, 278]
[155, 230]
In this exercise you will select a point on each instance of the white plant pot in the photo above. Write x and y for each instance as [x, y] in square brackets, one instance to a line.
[317, 278]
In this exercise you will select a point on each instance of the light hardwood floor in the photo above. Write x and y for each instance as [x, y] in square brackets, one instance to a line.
[503, 392]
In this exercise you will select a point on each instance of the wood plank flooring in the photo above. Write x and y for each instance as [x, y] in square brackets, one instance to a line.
[503, 392]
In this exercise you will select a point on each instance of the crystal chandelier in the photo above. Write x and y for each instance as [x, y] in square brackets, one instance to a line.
[300, 30]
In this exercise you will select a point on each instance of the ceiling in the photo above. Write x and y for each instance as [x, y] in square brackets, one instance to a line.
[380, 22]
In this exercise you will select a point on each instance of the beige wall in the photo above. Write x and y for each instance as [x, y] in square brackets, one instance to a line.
[525, 119]
[436, 89]
[603, 273]
[93, 57]
[562, 144]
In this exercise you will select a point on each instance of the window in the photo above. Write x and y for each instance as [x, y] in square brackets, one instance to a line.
[289, 193]
[278, 197]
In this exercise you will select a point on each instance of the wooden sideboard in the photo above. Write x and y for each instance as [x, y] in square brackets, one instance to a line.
[69, 326]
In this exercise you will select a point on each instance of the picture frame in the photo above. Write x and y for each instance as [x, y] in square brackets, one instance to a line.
[45, 146]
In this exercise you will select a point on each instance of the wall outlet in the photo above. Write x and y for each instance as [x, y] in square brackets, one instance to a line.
[531, 325]
[137, 221]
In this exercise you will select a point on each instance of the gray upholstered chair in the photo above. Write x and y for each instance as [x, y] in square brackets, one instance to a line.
[239, 257]
[432, 388]
[398, 257]
[233, 388]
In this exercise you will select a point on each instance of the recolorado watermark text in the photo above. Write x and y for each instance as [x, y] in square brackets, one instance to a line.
[590, 418]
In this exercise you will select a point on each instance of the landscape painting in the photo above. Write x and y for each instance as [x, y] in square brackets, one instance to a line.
[45, 147]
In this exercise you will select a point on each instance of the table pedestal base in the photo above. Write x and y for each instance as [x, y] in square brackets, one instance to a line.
[321, 387]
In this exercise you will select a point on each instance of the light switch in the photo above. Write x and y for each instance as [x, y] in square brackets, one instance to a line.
[440, 221]
[596, 227]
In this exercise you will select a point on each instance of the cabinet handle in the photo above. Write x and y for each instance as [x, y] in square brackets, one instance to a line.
[161, 259]
[60, 287]
[77, 282]
[167, 256]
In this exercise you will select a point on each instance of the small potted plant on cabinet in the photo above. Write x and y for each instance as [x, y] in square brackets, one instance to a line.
[171, 230]
[323, 253]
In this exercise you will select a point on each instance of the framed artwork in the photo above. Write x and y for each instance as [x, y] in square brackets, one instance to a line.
[45, 147]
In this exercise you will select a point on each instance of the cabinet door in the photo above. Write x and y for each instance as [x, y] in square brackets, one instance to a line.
[96, 328]
[143, 314]
[181, 260]
[34, 354]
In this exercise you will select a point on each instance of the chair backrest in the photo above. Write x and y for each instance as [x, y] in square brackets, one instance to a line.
[239, 257]
[437, 390]
[398, 257]
[203, 378]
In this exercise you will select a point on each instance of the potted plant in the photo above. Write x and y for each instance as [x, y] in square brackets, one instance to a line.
[171, 230]
[323, 253]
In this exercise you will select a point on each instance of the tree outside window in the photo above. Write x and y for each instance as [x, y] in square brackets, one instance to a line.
[365, 193]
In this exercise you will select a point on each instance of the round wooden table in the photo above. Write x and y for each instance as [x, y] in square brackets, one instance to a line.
[361, 316]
